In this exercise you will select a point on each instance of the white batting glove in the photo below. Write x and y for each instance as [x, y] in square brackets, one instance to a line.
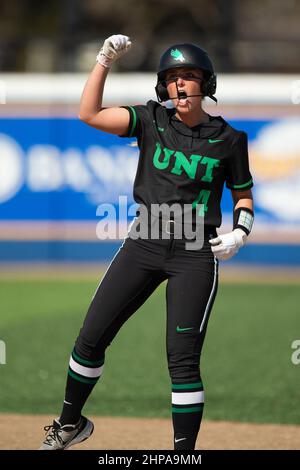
[227, 245]
[113, 48]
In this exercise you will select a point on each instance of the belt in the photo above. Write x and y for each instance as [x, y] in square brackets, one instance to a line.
[169, 226]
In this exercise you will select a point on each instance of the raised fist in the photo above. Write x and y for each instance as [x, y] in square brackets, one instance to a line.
[113, 48]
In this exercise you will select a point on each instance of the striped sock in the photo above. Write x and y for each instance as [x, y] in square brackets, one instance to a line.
[82, 377]
[187, 410]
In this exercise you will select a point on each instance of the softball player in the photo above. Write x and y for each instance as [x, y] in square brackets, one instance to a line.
[186, 156]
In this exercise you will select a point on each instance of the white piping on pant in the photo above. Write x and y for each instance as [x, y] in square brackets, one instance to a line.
[207, 309]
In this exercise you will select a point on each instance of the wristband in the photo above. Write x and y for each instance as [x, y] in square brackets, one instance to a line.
[243, 218]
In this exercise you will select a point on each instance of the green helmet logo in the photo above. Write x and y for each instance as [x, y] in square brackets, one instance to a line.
[177, 55]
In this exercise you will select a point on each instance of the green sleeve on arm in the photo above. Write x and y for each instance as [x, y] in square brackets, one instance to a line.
[240, 186]
[237, 172]
[132, 121]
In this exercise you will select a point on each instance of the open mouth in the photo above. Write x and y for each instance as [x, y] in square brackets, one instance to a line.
[182, 95]
[182, 98]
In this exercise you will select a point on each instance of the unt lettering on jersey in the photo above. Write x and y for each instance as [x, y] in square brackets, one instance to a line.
[182, 163]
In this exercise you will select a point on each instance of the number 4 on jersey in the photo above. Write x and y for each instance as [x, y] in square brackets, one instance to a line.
[202, 198]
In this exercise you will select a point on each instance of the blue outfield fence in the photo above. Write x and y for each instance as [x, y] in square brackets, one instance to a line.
[58, 170]
[103, 251]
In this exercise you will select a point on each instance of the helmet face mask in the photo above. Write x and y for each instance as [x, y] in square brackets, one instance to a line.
[187, 56]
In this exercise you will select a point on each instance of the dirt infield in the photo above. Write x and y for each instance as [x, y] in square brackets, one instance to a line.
[26, 432]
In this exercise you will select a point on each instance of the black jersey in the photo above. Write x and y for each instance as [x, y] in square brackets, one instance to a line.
[187, 165]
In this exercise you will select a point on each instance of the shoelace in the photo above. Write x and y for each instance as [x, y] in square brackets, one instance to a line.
[53, 435]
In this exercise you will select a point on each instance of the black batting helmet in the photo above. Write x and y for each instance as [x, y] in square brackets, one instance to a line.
[186, 55]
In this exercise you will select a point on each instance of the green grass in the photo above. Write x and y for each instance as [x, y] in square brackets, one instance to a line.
[246, 364]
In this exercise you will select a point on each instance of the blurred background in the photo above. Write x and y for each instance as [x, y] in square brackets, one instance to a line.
[55, 171]
[62, 36]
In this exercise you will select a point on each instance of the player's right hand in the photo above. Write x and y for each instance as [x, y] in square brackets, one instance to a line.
[113, 48]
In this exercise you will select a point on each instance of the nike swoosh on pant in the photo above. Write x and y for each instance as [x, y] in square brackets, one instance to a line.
[182, 439]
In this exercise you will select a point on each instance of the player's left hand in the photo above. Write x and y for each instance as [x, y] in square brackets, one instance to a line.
[227, 245]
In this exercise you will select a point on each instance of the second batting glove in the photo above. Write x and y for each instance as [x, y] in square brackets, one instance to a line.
[227, 245]
[113, 48]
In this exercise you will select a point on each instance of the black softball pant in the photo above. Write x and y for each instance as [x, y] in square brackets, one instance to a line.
[134, 273]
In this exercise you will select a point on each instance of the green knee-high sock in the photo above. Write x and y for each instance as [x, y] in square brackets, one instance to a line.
[82, 377]
[187, 410]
